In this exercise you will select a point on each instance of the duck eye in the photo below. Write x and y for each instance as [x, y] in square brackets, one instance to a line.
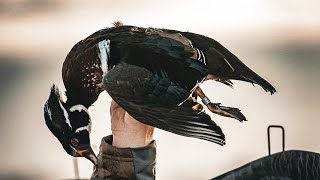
[74, 142]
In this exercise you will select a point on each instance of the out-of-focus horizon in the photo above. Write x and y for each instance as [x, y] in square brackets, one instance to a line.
[279, 40]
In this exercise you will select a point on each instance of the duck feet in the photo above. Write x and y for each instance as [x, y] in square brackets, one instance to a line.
[226, 111]
[221, 110]
[198, 107]
[192, 102]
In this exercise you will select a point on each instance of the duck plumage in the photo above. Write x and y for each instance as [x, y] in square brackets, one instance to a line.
[70, 125]
[151, 73]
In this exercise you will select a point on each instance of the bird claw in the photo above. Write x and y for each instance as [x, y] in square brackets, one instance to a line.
[226, 111]
[198, 107]
[221, 110]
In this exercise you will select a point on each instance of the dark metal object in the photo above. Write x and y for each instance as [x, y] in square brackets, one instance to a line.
[75, 168]
[283, 137]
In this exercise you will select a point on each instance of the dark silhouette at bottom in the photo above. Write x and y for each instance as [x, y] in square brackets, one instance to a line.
[288, 165]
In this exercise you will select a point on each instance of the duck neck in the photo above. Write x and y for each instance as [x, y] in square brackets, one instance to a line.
[72, 101]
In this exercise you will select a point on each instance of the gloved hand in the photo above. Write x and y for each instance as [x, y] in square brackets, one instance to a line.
[130, 152]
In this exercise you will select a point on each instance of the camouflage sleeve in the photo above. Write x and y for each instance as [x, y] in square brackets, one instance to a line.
[125, 163]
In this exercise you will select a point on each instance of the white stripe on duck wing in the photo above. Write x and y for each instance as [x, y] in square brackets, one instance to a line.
[223, 65]
[171, 53]
[188, 64]
[174, 62]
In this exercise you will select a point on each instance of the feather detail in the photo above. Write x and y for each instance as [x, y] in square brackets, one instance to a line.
[153, 100]
[225, 65]
[178, 120]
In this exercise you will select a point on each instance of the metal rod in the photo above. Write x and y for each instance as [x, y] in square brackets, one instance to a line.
[283, 137]
[76, 168]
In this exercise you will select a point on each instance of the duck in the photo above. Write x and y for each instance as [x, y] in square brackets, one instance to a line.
[155, 75]
[68, 126]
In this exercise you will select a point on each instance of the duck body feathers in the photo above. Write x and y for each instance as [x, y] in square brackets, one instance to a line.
[150, 73]
[154, 51]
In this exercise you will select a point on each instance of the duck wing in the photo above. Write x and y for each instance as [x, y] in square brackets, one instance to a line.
[154, 100]
[223, 65]
[178, 120]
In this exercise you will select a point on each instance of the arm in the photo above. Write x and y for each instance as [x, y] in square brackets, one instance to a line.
[126, 131]
[130, 152]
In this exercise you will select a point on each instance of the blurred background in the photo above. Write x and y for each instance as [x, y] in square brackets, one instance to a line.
[280, 40]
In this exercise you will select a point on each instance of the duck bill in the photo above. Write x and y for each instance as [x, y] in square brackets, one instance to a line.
[89, 154]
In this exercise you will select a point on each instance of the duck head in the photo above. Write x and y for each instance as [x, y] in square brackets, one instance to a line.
[70, 124]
